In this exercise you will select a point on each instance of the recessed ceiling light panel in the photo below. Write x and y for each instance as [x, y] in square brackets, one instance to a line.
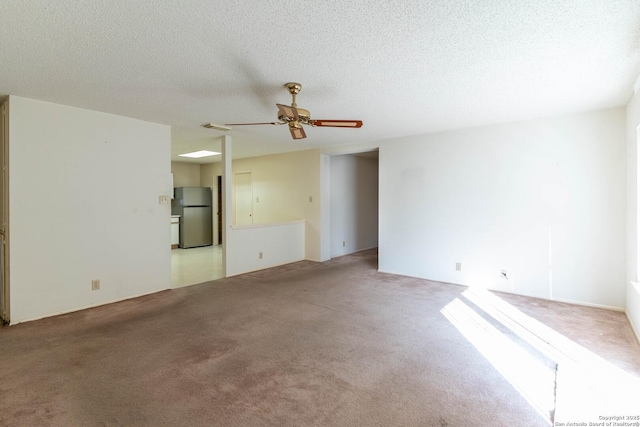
[199, 154]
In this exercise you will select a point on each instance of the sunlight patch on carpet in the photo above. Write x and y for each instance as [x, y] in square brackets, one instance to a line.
[587, 387]
[527, 374]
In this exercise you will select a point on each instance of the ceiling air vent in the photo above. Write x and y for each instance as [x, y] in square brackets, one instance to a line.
[216, 127]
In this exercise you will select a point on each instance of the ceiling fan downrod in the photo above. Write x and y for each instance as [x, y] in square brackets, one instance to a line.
[294, 89]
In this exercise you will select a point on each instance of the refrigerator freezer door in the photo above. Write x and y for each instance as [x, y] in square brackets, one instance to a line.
[195, 227]
[196, 196]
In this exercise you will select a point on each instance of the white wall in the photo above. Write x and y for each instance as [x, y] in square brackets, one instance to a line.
[544, 200]
[325, 208]
[281, 243]
[633, 295]
[354, 203]
[84, 190]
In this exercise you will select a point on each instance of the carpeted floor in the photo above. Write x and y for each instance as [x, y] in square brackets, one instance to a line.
[307, 344]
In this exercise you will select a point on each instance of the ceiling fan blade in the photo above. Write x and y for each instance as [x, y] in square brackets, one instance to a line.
[297, 132]
[253, 124]
[287, 111]
[337, 123]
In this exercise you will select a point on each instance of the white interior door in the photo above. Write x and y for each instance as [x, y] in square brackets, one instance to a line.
[243, 199]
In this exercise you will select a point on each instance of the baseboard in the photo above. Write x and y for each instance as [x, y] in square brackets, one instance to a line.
[566, 301]
[421, 278]
[265, 267]
[633, 328]
[60, 313]
[636, 287]
[353, 252]
[584, 304]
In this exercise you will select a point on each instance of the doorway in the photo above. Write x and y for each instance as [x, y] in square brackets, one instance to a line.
[243, 200]
[192, 266]
[353, 201]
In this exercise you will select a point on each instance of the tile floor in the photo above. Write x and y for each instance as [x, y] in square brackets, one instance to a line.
[195, 265]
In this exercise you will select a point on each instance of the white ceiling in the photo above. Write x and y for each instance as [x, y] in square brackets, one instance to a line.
[404, 68]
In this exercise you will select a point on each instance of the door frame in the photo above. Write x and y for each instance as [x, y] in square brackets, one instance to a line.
[4, 213]
[217, 233]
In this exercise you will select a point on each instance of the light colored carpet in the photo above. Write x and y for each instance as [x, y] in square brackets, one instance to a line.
[307, 344]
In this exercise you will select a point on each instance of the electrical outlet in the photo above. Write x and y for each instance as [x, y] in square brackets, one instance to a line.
[344, 243]
[164, 200]
[458, 266]
[95, 285]
[257, 199]
[259, 255]
[503, 274]
[310, 199]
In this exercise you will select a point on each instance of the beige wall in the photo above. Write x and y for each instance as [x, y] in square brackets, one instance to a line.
[186, 174]
[286, 187]
[208, 174]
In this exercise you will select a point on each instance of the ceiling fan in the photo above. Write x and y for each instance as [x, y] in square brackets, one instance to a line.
[296, 117]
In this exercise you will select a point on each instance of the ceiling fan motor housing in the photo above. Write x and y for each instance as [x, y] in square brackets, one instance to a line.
[303, 116]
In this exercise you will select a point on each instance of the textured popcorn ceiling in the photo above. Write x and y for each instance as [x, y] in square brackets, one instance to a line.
[404, 68]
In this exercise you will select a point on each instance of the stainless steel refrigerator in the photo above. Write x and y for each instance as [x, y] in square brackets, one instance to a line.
[193, 204]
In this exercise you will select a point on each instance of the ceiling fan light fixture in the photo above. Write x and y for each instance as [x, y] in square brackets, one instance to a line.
[296, 130]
